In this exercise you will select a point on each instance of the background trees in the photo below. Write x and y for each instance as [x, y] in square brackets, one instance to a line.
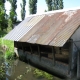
[9, 20]
[61, 6]
[57, 4]
[32, 6]
[54, 4]
[13, 14]
[3, 15]
[49, 5]
[23, 11]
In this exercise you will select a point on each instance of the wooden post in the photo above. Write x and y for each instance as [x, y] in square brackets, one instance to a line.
[17, 44]
[39, 52]
[70, 57]
[78, 66]
[22, 46]
[31, 48]
[53, 53]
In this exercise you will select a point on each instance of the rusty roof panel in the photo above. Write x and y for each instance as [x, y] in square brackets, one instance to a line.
[12, 35]
[34, 29]
[53, 28]
[17, 33]
[66, 32]
[52, 31]
[43, 32]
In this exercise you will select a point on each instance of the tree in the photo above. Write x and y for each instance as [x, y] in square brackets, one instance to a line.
[49, 4]
[32, 6]
[54, 4]
[3, 16]
[61, 4]
[13, 14]
[57, 4]
[23, 11]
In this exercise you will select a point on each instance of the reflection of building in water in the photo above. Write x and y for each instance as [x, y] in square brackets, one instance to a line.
[10, 67]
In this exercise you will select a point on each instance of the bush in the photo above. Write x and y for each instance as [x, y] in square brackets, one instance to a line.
[2, 72]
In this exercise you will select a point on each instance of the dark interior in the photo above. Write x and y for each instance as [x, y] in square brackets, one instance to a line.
[57, 53]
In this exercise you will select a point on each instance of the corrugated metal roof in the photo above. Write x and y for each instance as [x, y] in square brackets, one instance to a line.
[17, 33]
[53, 28]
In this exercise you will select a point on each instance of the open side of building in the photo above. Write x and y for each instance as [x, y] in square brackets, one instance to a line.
[50, 40]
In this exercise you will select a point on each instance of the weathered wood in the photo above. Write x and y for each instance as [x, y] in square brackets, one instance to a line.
[70, 57]
[39, 52]
[78, 66]
[31, 48]
[53, 53]
[22, 47]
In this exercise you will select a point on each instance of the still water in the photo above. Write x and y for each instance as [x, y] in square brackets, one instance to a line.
[18, 70]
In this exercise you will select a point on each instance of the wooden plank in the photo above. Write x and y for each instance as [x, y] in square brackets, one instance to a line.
[53, 53]
[31, 48]
[39, 52]
[78, 66]
[70, 57]
[22, 46]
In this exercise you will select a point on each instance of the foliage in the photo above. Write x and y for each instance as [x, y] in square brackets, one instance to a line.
[10, 48]
[2, 72]
[40, 73]
[10, 23]
[54, 4]
[2, 33]
[3, 15]
[49, 4]
[13, 14]
[9, 53]
[61, 4]
[33, 6]
[8, 43]
[23, 11]
[57, 4]
[45, 11]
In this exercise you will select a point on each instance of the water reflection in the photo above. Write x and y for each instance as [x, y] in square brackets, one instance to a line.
[17, 70]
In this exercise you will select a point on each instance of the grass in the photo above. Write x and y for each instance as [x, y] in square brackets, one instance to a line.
[10, 47]
[8, 43]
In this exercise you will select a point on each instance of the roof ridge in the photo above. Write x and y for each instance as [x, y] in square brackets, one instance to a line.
[55, 11]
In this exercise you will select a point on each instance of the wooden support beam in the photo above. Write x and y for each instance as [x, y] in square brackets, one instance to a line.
[22, 46]
[39, 52]
[78, 66]
[16, 44]
[53, 53]
[70, 57]
[31, 48]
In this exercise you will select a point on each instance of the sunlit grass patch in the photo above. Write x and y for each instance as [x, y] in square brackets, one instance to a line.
[10, 47]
